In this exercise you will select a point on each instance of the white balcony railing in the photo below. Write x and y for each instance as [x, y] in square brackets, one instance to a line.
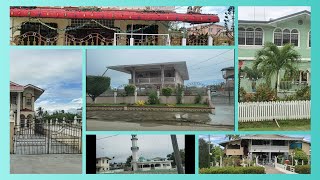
[269, 148]
[153, 80]
[292, 85]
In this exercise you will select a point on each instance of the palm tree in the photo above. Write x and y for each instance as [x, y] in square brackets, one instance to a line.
[253, 74]
[271, 59]
[40, 111]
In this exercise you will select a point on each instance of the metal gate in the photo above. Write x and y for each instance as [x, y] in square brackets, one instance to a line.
[40, 137]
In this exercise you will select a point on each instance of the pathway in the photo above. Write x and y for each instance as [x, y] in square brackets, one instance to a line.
[272, 170]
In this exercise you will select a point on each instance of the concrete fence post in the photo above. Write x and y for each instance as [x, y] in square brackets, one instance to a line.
[75, 120]
[182, 97]
[131, 41]
[184, 42]
[115, 97]
[63, 120]
[11, 131]
[210, 41]
[209, 94]
[135, 95]
[158, 93]
[115, 39]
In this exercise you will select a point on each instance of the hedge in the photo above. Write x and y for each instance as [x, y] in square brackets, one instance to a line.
[233, 170]
[302, 169]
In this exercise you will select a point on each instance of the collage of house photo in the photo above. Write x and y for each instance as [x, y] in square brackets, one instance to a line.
[160, 90]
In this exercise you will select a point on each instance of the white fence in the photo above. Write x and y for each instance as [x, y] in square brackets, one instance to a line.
[279, 110]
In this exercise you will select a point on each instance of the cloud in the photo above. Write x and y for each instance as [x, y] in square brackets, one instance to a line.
[265, 13]
[58, 72]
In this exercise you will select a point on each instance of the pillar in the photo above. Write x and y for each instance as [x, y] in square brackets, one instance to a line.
[209, 94]
[115, 97]
[182, 97]
[11, 131]
[75, 120]
[23, 102]
[133, 76]
[210, 41]
[158, 93]
[269, 157]
[308, 77]
[114, 39]
[184, 42]
[32, 102]
[134, 150]
[162, 75]
[131, 41]
[18, 107]
[135, 95]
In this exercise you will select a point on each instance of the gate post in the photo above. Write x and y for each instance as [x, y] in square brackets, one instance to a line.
[75, 120]
[11, 132]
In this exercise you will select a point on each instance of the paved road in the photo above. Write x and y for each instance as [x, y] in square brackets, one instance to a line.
[101, 125]
[224, 115]
[46, 164]
[272, 170]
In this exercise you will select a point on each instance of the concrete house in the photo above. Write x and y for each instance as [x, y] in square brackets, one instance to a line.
[22, 100]
[102, 164]
[156, 75]
[265, 147]
[294, 29]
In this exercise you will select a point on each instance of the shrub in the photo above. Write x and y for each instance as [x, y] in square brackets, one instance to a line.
[96, 85]
[140, 103]
[303, 93]
[198, 99]
[153, 98]
[303, 169]
[179, 91]
[300, 155]
[242, 94]
[265, 93]
[233, 170]
[166, 91]
[130, 89]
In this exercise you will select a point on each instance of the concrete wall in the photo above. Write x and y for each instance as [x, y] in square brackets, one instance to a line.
[234, 152]
[130, 99]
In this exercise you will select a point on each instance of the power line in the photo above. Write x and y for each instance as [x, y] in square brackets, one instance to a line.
[214, 64]
[212, 57]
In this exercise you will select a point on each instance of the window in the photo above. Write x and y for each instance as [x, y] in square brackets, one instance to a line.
[233, 146]
[278, 37]
[28, 101]
[295, 145]
[278, 143]
[242, 36]
[260, 142]
[309, 38]
[250, 36]
[89, 23]
[282, 37]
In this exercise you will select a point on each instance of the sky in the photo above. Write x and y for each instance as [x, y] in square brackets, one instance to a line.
[216, 139]
[58, 72]
[150, 146]
[204, 65]
[219, 10]
[264, 13]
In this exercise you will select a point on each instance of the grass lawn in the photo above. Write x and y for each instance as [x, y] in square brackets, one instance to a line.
[285, 125]
[176, 105]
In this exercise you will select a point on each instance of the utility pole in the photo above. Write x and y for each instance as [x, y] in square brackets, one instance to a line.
[176, 152]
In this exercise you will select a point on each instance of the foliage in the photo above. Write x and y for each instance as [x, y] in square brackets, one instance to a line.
[233, 170]
[303, 93]
[265, 93]
[252, 73]
[140, 103]
[59, 115]
[130, 89]
[171, 157]
[203, 154]
[198, 98]
[153, 98]
[40, 111]
[128, 161]
[271, 59]
[167, 91]
[232, 161]
[232, 136]
[96, 85]
[242, 94]
[300, 155]
[216, 152]
[179, 90]
[303, 169]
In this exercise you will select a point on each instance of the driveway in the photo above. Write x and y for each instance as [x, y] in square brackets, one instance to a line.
[272, 170]
[46, 164]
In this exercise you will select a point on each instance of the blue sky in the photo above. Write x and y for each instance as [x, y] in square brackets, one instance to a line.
[58, 72]
[204, 65]
[108, 145]
[216, 139]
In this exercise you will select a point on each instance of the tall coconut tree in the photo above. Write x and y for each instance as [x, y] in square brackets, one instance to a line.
[271, 59]
[40, 111]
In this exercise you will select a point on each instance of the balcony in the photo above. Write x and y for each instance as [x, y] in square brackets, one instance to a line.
[292, 85]
[269, 148]
[167, 80]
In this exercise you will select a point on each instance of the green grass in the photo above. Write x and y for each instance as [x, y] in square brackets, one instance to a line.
[151, 105]
[285, 125]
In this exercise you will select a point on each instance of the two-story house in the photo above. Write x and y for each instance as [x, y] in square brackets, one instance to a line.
[103, 164]
[294, 29]
[265, 147]
[22, 100]
[156, 75]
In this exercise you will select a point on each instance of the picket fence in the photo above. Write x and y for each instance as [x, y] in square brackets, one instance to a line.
[280, 110]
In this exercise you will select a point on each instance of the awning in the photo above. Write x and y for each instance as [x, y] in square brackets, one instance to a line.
[113, 15]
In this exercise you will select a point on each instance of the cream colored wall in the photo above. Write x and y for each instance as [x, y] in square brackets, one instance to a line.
[234, 152]
[306, 148]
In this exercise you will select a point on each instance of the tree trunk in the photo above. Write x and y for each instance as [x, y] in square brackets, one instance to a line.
[276, 87]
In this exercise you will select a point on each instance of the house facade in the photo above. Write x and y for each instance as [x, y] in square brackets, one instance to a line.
[22, 99]
[265, 147]
[156, 75]
[102, 164]
[294, 29]
[88, 25]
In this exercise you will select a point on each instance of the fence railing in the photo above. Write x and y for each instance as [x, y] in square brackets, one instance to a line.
[292, 85]
[279, 110]
[138, 39]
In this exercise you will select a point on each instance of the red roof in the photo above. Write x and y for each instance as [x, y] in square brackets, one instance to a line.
[16, 87]
[113, 14]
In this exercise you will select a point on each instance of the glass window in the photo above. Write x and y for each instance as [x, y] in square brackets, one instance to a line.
[249, 36]
[309, 38]
[295, 37]
[258, 36]
[286, 37]
[242, 36]
[278, 37]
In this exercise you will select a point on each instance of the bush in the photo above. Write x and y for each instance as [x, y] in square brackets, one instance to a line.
[303, 93]
[96, 85]
[198, 99]
[166, 91]
[140, 103]
[233, 170]
[265, 93]
[179, 91]
[303, 169]
[300, 155]
[130, 89]
[153, 98]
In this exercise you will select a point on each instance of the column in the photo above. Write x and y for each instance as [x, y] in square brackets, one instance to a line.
[134, 76]
[162, 75]
[184, 41]
[210, 41]
[308, 77]
[18, 107]
[32, 102]
[131, 41]
[300, 77]
[115, 96]
[24, 102]
[209, 94]
[269, 157]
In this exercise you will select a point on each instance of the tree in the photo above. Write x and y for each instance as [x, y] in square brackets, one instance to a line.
[171, 157]
[300, 155]
[128, 161]
[271, 59]
[166, 92]
[96, 85]
[40, 111]
[217, 151]
[253, 74]
[130, 89]
[232, 136]
[203, 154]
